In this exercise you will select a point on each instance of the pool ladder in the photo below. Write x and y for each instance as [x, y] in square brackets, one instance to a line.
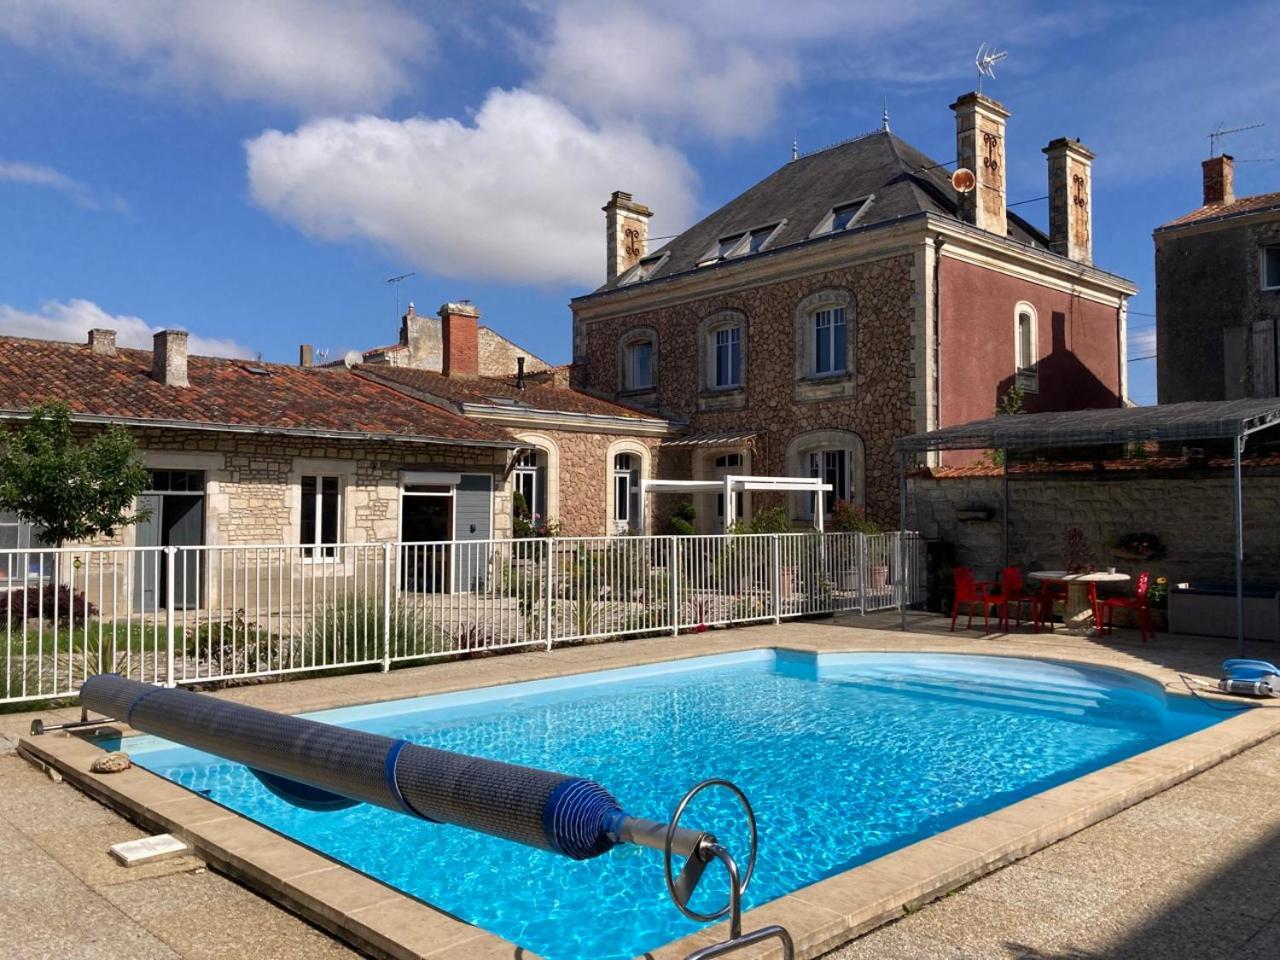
[699, 854]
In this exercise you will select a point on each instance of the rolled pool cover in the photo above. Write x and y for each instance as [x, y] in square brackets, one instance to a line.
[324, 767]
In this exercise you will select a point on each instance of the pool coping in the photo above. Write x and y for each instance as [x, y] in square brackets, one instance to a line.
[385, 922]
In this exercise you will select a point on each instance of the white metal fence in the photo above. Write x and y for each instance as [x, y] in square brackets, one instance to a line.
[191, 614]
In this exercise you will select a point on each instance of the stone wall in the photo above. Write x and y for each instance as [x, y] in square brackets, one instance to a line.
[874, 401]
[1190, 510]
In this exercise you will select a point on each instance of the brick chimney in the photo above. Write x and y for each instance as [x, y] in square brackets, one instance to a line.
[460, 333]
[413, 334]
[1070, 199]
[103, 342]
[169, 358]
[980, 125]
[306, 355]
[1219, 180]
[626, 225]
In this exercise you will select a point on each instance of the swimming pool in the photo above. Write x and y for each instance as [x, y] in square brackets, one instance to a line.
[845, 757]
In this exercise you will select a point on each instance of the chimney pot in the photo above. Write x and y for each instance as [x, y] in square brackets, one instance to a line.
[169, 358]
[980, 132]
[103, 342]
[1219, 180]
[306, 355]
[460, 336]
[1070, 199]
[519, 373]
[626, 234]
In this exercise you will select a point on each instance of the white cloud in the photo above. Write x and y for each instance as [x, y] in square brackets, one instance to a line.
[311, 54]
[513, 197]
[1142, 342]
[72, 320]
[40, 175]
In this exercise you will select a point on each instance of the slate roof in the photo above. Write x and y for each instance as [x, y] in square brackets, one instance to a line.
[223, 394]
[1220, 211]
[500, 392]
[904, 182]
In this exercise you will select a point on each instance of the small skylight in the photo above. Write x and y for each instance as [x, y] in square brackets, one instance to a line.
[259, 371]
[503, 401]
[740, 244]
[843, 216]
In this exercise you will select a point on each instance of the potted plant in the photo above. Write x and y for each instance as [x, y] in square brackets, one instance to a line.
[1076, 552]
[848, 517]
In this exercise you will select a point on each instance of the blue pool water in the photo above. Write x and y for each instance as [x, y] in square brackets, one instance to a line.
[845, 757]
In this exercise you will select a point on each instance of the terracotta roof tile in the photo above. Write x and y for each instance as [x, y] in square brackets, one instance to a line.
[501, 391]
[221, 393]
[1216, 211]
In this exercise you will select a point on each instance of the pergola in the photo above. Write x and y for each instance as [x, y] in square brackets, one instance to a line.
[732, 487]
[1234, 420]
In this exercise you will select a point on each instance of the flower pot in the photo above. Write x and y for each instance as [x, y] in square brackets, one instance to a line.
[878, 576]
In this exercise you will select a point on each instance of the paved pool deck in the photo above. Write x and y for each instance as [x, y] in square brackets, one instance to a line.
[1187, 873]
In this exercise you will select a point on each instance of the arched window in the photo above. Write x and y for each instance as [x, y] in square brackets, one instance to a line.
[628, 461]
[835, 457]
[626, 484]
[530, 485]
[638, 361]
[1026, 347]
[727, 464]
[826, 339]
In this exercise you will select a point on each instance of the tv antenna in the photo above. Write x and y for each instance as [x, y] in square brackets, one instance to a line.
[987, 58]
[395, 282]
[1218, 133]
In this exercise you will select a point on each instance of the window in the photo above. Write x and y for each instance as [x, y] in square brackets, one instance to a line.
[645, 269]
[829, 346]
[1026, 355]
[1271, 268]
[723, 465]
[728, 357]
[18, 535]
[625, 488]
[830, 466]
[639, 365]
[526, 483]
[321, 509]
[842, 217]
[740, 244]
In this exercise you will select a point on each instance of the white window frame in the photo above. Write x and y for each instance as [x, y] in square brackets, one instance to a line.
[527, 471]
[645, 269]
[732, 334]
[627, 362]
[1262, 267]
[1027, 375]
[740, 243]
[626, 476]
[827, 223]
[314, 551]
[830, 335]
[25, 548]
[816, 444]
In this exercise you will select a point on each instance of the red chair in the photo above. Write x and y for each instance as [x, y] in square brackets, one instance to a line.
[1138, 603]
[970, 591]
[1013, 594]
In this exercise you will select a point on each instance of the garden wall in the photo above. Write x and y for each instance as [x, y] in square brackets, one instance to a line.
[1190, 510]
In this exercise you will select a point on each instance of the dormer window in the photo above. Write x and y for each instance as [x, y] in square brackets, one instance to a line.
[741, 244]
[645, 269]
[843, 216]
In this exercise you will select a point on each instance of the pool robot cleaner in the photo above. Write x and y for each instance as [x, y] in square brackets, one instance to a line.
[319, 766]
[1250, 678]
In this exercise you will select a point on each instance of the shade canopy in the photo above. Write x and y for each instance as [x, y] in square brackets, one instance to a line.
[1199, 420]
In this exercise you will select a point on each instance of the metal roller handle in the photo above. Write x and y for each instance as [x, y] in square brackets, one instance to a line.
[707, 849]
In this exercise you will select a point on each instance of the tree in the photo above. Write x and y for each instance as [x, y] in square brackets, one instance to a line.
[73, 490]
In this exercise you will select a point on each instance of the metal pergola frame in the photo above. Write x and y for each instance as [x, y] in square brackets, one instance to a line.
[1234, 420]
[734, 485]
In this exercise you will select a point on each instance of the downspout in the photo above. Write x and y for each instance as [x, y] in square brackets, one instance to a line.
[1122, 344]
[938, 243]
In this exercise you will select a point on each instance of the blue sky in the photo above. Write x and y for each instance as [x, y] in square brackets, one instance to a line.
[254, 170]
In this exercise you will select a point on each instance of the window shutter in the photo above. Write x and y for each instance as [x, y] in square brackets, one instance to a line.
[1262, 359]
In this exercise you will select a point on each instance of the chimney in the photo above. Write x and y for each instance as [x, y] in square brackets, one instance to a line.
[626, 234]
[1070, 199]
[306, 355]
[1219, 180]
[980, 123]
[460, 332]
[169, 358]
[103, 342]
[413, 334]
[519, 373]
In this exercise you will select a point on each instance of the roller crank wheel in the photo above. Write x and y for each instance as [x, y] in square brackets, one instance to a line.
[707, 852]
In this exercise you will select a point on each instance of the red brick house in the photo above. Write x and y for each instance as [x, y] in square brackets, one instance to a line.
[851, 297]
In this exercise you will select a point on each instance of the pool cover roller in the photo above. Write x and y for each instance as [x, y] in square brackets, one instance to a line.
[324, 767]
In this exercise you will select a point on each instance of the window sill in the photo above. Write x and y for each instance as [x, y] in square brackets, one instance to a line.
[825, 377]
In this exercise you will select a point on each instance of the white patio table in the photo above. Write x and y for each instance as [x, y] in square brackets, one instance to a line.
[1077, 612]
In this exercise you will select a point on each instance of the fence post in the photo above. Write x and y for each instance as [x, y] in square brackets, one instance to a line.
[546, 591]
[388, 575]
[860, 552]
[673, 560]
[775, 555]
[901, 574]
[169, 553]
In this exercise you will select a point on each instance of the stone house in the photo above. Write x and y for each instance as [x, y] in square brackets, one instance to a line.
[852, 297]
[1218, 294]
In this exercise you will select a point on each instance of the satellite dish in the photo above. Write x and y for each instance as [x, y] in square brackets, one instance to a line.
[351, 358]
[963, 180]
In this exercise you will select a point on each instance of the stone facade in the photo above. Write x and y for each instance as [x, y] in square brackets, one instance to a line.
[873, 400]
[1189, 510]
[422, 346]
